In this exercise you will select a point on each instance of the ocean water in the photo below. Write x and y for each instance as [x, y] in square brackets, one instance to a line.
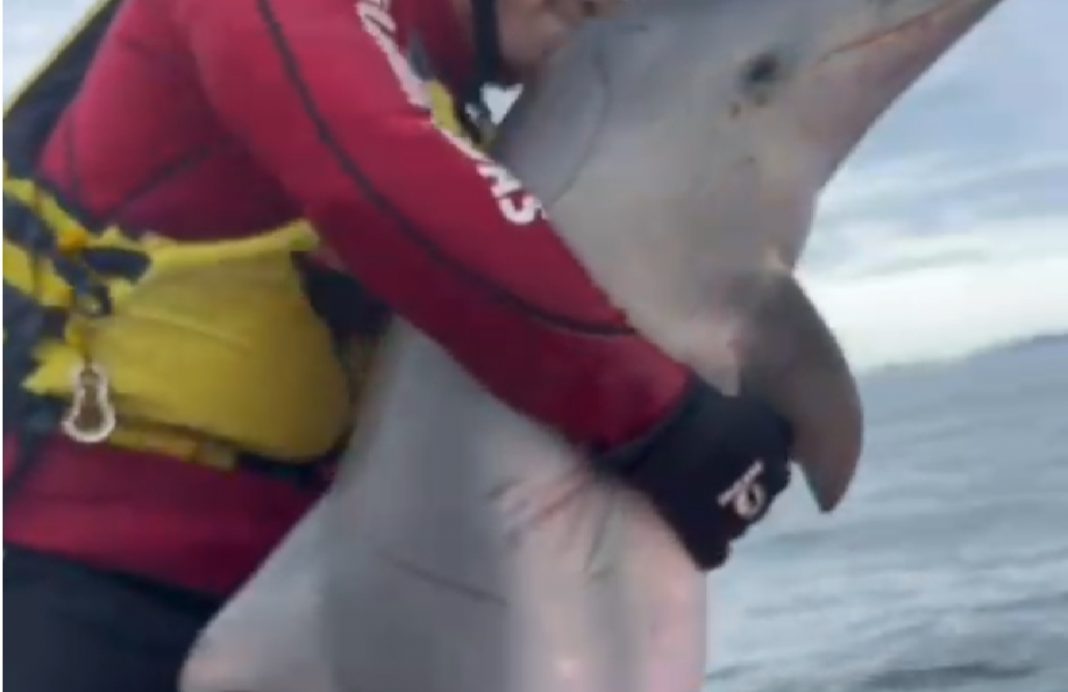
[947, 566]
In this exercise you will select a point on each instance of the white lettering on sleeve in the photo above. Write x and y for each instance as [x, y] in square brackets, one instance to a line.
[517, 206]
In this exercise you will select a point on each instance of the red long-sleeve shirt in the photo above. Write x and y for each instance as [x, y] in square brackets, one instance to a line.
[205, 118]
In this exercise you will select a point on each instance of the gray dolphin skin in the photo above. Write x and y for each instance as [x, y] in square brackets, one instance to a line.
[680, 148]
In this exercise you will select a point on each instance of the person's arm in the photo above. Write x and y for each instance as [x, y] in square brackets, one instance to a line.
[319, 93]
[316, 90]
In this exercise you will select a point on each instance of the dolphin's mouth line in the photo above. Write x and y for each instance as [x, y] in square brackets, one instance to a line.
[919, 20]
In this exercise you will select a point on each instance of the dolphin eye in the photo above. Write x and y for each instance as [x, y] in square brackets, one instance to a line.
[760, 75]
[763, 70]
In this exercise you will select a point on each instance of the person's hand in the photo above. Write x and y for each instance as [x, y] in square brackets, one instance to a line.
[712, 470]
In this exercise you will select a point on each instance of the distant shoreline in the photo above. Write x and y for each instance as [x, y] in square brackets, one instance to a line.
[1050, 340]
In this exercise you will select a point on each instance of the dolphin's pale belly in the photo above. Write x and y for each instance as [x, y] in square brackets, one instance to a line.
[475, 552]
[511, 566]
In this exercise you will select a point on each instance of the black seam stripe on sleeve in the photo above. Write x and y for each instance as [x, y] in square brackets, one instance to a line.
[186, 163]
[354, 172]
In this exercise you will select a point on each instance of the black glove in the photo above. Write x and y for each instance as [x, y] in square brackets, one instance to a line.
[711, 470]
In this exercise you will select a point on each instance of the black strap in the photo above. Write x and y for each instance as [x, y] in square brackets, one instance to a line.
[30, 416]
[473, 113]
[488, 59]
[342, 303]
[310, 474]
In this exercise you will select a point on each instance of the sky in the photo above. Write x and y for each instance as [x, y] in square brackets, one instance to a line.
[947, 230]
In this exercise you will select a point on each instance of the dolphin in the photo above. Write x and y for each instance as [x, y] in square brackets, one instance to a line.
[680, 148]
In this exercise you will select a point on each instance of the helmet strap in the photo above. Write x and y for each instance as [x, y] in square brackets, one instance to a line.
[471, 108]
[488, 59]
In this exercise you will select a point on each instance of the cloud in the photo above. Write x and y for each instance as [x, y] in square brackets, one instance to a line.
[1002, 91]
[899, 300]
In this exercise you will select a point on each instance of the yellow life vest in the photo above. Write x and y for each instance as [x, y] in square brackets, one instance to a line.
[197, 350]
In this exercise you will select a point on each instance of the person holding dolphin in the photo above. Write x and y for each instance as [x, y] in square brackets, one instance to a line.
[211, 211]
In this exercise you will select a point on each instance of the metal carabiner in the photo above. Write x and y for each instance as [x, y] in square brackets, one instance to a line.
[91, 417]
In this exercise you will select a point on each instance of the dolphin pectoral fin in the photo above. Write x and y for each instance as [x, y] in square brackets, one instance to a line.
[790, 357]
